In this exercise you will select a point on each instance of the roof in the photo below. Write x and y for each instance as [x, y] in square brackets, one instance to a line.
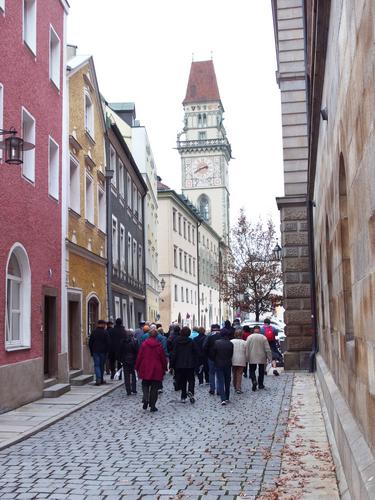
[163, 187]
[122, 106]
[202, 85]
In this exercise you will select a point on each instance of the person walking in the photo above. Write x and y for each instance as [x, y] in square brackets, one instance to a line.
[184, 359]
[222, 356]
[128, 356]
[139, 332]
[270, 332]
[208, 345]
[257, 352]
[238, 360]
[246, 331]
[99, 345]
[202, 372]
[151, 364]
[116, 336]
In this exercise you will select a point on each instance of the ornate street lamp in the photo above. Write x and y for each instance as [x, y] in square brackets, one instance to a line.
[277, 251]
[14, 147]
[162, 284]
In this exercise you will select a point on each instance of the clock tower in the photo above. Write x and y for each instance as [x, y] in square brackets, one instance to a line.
[204, 149]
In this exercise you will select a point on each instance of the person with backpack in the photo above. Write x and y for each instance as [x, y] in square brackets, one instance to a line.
[202, 372]
[128, 356]
[270, 332]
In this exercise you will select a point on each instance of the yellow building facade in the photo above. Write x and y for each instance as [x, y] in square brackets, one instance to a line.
[86, 238]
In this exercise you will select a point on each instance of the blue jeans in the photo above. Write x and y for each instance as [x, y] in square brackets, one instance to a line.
[223, 382]
[211, 374]
[99, 362]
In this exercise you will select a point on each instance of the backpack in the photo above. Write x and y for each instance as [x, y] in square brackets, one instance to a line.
[268, 333]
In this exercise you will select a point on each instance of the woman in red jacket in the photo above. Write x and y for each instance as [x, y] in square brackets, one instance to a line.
[151, 365]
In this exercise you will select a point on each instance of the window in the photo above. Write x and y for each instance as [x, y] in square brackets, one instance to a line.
[185, 262]
[125, 313]
[112, 165]
[92, 314]
[180, 255]
[139, 206]
[74, 186]
[174, 212]
[187, 295]
[140, 263]
[204, 120]
[122, 247]
[89, 115]
[182, 294]
[132, 316]
[28, 135]
[54, 57]
[195, 298]
[135, 260]
[2, 7]
[89, 201]
[102, 210]
[193, 267]
[1, 108]
[188, 231]
[175, 257]
[121, 178]
[184, 228]
[193, 235]
[191, 296]
[204, 206]
[129, 189]
[114, 242]
[117, 307]
[201, 136]
[199, 120]
[179, 223]
[176, 293]
[53, 168]
[189, 265]
[129, 254]
[29, 24]
[18, 300]
[135, 199]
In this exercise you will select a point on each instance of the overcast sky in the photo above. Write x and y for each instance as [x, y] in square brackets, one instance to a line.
[142, 52]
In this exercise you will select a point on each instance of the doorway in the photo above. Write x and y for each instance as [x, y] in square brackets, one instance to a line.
[50, 336]
[74, 334]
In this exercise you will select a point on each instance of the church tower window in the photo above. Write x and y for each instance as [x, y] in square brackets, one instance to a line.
[204, 207]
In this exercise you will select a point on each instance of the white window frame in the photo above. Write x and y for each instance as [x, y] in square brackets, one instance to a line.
[117, 307]
[53, 168]
[129, 190]
[134, 205]
[114, 230]
[182, 294]
[175, 258]
[89, 114]
[54, 56]
[2, 5]
[140, 263]
[28, 166]
[1, 110]
[132, 313]
[124, 311]
[122, 247]
[176, 293]
[130, 254]
[135, 259]
[29, 16]
[187, 296]
[89, 199]
[75, 194]
[102, 212]
[139, 198]
[24, 342]
[121, 177]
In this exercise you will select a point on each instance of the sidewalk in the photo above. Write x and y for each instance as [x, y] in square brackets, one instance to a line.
[26, 420]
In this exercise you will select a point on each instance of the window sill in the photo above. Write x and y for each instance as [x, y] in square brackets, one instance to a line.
[10, 348]
[90, 137]
[54, 84]
[32, 52]
[89, 223]
[75, 214]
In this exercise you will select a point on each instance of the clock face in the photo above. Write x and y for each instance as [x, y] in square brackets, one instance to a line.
[202, 168]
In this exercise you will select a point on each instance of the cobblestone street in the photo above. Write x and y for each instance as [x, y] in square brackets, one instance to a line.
[113, 448]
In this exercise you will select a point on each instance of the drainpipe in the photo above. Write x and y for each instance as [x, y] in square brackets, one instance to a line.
[108, 179]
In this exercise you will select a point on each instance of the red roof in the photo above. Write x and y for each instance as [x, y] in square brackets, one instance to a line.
[202, 86]
[163, 187]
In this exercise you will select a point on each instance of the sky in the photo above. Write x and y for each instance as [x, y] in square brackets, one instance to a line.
[142, 52]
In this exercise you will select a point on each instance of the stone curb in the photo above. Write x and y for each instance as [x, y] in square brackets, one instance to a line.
[57, 418]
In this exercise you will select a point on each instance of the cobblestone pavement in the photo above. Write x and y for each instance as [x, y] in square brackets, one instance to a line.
[113, 449]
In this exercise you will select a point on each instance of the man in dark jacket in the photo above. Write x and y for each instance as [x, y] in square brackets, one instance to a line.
[202, 370]
[99, 347]
[128, 356]
[208, 345]
[184, 359]
[222, 353]
[116, 336]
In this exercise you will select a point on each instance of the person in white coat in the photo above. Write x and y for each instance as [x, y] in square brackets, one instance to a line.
[238, 360]
[258, 352]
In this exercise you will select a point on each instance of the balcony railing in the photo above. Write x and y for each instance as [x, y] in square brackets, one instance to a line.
[221, 143]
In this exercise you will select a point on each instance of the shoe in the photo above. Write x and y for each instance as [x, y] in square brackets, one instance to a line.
[276, 373]
[191, 397]
[254, 387]
[238, 392]
[211, 392]
[145, 405]
[153, 409]
[160, 391]
[261, 387]
[103, 381]
[223, 403]
[183, 400]
[134, 392]
[98, 383]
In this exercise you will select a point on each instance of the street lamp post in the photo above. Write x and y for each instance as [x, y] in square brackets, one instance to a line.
[277, 251]
[14, 147]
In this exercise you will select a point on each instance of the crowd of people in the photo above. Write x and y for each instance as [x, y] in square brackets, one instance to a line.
[216, 358]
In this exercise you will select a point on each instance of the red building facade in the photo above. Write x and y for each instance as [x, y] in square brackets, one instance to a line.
[32, 101]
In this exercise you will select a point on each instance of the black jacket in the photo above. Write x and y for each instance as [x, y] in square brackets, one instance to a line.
[116, 336]
[99, 341]
[199, 341]
[209, 343]
[128, 350]
[185, 353]
[223, 352]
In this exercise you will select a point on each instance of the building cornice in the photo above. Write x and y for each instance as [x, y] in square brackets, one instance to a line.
[83, 252]
[123, 289]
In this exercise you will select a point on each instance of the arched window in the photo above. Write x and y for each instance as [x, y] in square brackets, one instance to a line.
[204, 206]
[92, 314]
[199, 120]
[204, 119]
[18, 300]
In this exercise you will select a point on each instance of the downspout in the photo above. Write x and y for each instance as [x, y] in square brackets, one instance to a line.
[198, 275]
[108, 179]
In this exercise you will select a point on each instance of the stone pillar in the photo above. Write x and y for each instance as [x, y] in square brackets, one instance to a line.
[296, 278]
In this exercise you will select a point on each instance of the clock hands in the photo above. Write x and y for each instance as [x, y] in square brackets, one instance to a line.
[203, 167]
